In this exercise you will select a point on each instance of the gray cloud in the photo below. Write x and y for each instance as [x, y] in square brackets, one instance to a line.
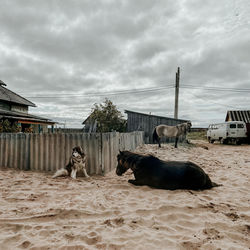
[62, 48]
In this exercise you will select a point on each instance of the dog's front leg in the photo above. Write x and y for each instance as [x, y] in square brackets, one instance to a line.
[85, 173]
[73, 173]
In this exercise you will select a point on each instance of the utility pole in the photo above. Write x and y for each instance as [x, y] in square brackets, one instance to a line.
[177, 83]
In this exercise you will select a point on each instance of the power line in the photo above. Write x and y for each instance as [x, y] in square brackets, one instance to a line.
[121, 92]
[143, 90]
[216, 88]
[211, 102]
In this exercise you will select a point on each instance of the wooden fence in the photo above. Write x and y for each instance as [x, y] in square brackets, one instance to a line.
[49, 152]
[147, 123]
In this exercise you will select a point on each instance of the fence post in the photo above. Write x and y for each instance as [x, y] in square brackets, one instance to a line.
[100, 154]
[27, 153]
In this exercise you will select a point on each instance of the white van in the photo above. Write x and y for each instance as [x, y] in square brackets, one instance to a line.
[226, 132]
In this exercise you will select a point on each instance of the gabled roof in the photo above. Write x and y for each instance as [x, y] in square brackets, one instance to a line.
[162, 117]
[86, 120]
[9, 96]
[238, 115]
[5, 114]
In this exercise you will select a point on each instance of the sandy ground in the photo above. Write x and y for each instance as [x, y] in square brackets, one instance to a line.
[38, 212]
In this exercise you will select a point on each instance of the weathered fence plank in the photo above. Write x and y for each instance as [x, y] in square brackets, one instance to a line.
[49, 152]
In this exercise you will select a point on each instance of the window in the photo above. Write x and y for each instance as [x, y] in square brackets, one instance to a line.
[240, 125]
[232, 125]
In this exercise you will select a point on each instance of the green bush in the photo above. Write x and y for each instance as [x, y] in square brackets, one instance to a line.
[7, 127]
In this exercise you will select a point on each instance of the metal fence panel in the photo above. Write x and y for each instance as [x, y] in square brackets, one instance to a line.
[49, 152]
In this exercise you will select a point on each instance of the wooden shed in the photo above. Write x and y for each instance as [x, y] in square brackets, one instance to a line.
[147, 122]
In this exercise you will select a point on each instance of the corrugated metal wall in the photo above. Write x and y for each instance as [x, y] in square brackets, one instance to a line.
[238, 115]
[49, 152]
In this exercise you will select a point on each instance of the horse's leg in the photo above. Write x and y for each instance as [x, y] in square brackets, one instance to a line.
[136, 182]
[156, 137]
[176, 141]
[159, 142]
[187, 141]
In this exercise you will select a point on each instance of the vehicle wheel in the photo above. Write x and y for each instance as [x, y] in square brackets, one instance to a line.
[209, 139]
[224, 141]
[238, 142]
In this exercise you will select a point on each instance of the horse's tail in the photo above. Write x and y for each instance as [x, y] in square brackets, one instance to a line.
[155, 136]
[210, 184]
[216, 185]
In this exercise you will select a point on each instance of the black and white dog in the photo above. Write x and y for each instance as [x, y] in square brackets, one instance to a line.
[76, 163]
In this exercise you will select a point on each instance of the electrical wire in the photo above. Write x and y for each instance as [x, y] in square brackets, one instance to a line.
[143, 90]
[121, 92]
[238, 90]
[211, 102]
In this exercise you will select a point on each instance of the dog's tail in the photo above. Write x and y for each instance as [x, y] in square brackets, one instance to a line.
[60, 172]
[155, 136]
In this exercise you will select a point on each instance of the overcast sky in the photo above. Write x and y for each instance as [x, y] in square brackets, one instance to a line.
[67, 55]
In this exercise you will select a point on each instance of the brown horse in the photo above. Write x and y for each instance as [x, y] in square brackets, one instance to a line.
[171, 131]
[151, 171]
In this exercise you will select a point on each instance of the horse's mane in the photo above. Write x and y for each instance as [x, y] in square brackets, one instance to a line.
[182, 126]
[134, 158]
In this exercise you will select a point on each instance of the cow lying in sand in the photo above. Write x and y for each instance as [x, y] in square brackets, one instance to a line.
[151, 171]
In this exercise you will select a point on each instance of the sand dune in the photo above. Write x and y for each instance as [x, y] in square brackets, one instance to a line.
[38, 212]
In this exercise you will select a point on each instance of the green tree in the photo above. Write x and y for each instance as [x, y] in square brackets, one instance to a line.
[108, 117]
[16, 128]
[6, 127]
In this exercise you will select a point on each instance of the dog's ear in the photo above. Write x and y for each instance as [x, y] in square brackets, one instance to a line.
[81, 151]
[78, 149]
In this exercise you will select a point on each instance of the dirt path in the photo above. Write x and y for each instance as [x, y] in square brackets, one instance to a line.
[37, 212]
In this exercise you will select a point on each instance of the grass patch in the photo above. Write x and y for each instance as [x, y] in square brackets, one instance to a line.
[201, 135]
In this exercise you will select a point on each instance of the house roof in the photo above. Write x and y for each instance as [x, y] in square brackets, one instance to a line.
[87, 120]
[238, 115]
[164, 117]
[9, 96]
[4, 114]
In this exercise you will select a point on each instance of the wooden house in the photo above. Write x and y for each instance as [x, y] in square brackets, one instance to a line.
[14, 108]
[146, 122]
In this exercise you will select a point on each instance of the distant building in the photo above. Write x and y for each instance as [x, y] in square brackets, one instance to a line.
[90, 125]
[146, 122]
[14, 108]
[240, 115]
